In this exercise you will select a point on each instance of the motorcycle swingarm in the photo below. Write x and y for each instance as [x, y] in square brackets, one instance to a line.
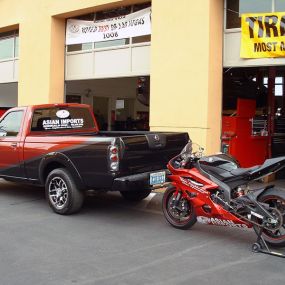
[261, 209]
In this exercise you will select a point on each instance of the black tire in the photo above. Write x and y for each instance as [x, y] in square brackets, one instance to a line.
[136, 195]
[275, 198]
[184, 222]
[62, 193]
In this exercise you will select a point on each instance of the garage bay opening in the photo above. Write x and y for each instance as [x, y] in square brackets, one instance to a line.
[119, 104]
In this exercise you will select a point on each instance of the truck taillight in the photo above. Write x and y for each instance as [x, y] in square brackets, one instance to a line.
[114, 150]
[114, 158]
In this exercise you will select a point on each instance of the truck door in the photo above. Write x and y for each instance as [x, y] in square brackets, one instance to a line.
[10, 136]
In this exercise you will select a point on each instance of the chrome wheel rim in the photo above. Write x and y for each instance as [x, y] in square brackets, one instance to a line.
[58, 192]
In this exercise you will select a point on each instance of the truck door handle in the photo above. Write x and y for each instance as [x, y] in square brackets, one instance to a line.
[13, 145]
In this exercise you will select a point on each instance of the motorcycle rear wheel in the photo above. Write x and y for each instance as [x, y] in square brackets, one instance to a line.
[275, 198]
[178, 219]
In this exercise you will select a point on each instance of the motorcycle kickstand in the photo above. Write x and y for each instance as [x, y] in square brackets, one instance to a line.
[261, 246]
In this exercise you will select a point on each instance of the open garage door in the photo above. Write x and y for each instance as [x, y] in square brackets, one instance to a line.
[8, 96]
[253, 113]
[120, 104]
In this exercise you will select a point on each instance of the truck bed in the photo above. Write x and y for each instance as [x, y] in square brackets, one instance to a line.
[139, 152]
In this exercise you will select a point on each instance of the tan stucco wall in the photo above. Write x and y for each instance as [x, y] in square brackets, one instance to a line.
[41, 47]
[186, 59]
[186, 69]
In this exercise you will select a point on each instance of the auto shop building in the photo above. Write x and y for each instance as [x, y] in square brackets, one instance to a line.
[167, 78]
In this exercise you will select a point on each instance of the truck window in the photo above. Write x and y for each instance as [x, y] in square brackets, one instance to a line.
[61, 118]
[10, 125]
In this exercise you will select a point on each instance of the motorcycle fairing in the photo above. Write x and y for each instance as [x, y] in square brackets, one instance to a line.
[220, 222]
[223, 167]
[201, 196]
[226, 170]
[270, 166]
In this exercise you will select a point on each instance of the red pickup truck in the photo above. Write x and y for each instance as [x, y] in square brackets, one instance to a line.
[60, 147]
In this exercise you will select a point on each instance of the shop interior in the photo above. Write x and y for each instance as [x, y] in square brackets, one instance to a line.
[119, 104]
[8, 96]
[253, 122]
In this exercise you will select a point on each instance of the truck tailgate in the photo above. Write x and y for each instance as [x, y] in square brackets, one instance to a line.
[150, 152]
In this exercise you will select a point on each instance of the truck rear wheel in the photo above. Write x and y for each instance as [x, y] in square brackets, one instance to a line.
[62, 193]
[136, 195]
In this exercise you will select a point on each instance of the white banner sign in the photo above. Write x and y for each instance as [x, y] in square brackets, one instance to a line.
[131, 25]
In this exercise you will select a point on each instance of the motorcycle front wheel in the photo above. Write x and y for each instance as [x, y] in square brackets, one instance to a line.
[181, 216]
[275, 198]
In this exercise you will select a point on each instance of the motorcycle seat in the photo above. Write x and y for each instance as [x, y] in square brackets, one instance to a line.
[224, 175]
[243, 171]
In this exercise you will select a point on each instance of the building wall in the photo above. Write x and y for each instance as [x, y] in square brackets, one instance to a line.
[41, 50]
[186, 69]
[186, 59]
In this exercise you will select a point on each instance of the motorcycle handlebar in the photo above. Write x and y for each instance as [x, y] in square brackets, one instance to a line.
[181, 162]
[186, 156]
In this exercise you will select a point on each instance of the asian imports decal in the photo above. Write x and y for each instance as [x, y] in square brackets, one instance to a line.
[58, 124]
[262, 35]
[131, 25]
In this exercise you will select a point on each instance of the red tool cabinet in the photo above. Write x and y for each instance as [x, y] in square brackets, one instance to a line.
[238, 138]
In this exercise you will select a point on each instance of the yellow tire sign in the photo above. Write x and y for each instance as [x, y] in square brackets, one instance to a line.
[262, 35]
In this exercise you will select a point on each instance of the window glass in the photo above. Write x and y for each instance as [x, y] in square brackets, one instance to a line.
[8, 34]
[105, 44]
[142, 39]
[17, 46]
[10, 125]
[61, 119]
[237, 7]
[138, 7]
[86, 17]
[6, 48]
[113, 13]
[255, 6]
[278, 80]
[265, 81]
[278, 86]
[79, 47]
[232, 17]
[278, 90]
[280, 5]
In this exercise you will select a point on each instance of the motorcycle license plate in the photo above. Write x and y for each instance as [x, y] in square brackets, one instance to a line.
[157, 178]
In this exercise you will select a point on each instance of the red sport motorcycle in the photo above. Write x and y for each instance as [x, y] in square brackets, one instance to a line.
[214, 190]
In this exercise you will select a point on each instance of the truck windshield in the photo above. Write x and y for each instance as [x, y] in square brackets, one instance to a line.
[61, 118]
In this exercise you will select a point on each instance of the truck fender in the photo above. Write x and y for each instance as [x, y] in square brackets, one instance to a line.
[62, 159]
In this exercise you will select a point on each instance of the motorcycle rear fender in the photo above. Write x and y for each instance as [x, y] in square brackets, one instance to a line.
[271, 165]
[257, 193]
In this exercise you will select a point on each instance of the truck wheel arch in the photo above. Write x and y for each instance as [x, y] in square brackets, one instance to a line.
[56, 160]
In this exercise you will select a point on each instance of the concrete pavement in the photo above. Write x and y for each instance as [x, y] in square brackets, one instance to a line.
[114, 242]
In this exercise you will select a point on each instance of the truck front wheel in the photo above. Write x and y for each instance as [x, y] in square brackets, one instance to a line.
[62, 193]
[136, 195]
